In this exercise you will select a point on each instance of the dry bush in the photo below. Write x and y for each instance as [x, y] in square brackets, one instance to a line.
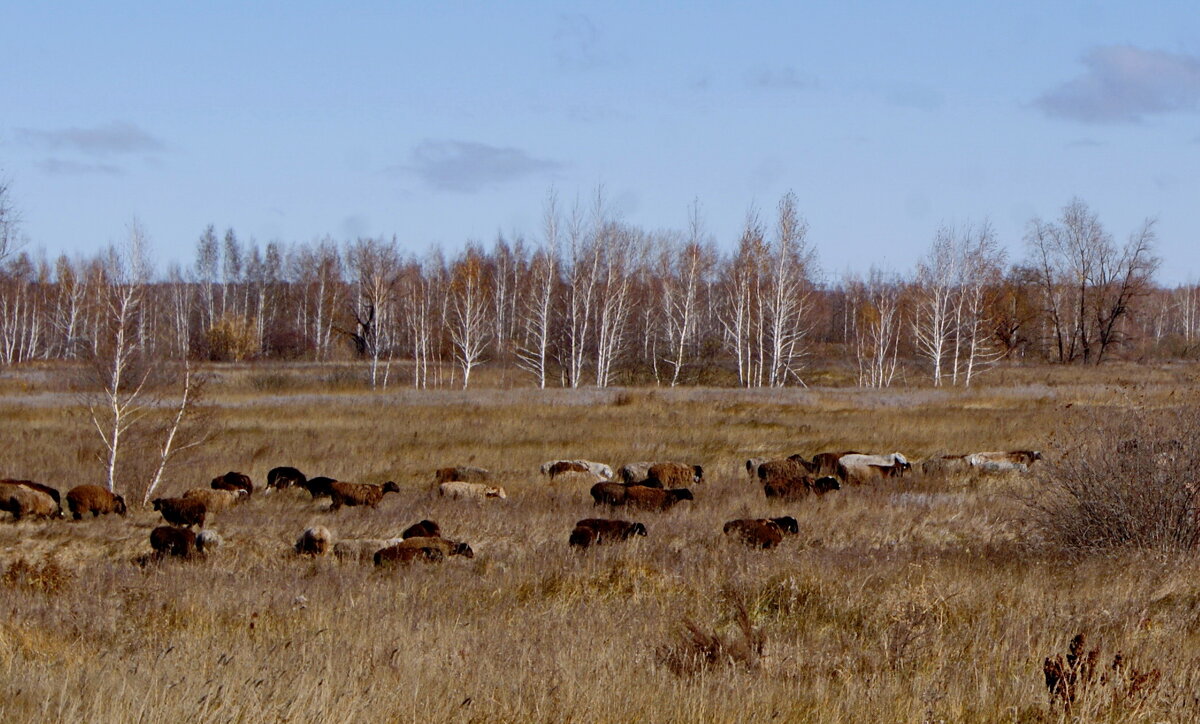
[231, 339]
[696, 650]
[1080, 684]
[1126, 478]
[49, 577]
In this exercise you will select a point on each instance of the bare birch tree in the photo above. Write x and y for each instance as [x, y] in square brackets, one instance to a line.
[470, 292]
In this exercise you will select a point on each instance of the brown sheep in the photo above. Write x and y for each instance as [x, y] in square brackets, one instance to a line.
[320, 487]
[639, 496]
[446, 547]
[352, 494]
[361, 549]
[167, 540]
[216, 501]
[24, 502]
[601, 530]
[285, 477]
[609, 493]
[424, 529]
[675, 475]
[314, 541]
[233, 481]
[762, 532]
[181, 511]
[398, 554]
[40, 487]
[463, 474]
[782, 470]
[94, 499]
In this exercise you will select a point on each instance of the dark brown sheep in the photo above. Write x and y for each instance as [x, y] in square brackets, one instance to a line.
[601, 530]
[314, 541]
[462, 474]
[447, 547]
[800, 487]
[804, 463]
[168, 540]
[319, 487]
[94, 499]
[24, 502]
[181, 511]
[352, 494]
[609, 493]
[398, 554]
[233, 481]
[285, 477]
[762, 532]
[424, 529]
[675, 475]
[639, 496]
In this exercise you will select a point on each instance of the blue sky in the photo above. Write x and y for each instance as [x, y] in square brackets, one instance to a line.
[448, 122]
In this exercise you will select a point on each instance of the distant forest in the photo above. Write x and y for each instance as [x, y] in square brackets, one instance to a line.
[595, 301]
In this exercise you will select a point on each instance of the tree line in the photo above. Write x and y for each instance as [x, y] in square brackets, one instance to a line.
[594, 301]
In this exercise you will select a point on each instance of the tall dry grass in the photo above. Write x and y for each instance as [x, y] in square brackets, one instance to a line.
[919, 600]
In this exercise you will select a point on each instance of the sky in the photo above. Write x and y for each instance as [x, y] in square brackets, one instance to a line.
[444, 123]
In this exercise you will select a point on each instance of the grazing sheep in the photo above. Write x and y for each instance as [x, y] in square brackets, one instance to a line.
[396, 554]
[447, 547]
[800, 487]
[167, 540]
[582, 537]
[566, 466]
[216, 501]
[320, 487]
[762, 532]
[601, 530]
[803, 462]
[40, 487]
[233, 481]
[181, 511]
[463, 474]
[470, 491]
[314, 541]
[858, 468]
[24, 502]
[945, 465]
[285, 477]
[361, 549]
[675, 475]
[600, 470]
[94, 499]
[609, 493]
[639, 496]
[352, 494]
[782, 470]
[424, 529]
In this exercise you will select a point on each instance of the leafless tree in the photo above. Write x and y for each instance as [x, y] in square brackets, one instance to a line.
[537, 306]
[470, 291]
[875, 328]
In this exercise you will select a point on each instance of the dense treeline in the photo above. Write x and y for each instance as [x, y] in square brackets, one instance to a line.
[595, 301]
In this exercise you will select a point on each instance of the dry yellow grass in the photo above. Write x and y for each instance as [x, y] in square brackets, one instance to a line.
[921, 600]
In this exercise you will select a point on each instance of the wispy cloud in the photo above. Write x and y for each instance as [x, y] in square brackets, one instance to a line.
[577, 43]
[61, 167]
[467, 166]
[110, 139]
[786, 78]
[1122, 84]
[1085, 143]
[907, 95]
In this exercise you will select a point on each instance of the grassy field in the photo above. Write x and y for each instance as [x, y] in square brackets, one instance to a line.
[916, 600]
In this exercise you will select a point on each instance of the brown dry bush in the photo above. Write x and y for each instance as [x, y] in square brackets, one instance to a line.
[1125, 478]
[49, 577]
[1082, 685]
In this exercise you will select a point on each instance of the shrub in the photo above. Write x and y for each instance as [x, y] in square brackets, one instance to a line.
[231, 339]
[1127, 479]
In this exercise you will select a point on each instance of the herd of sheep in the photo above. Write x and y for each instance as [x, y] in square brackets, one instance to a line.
[641, 486]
